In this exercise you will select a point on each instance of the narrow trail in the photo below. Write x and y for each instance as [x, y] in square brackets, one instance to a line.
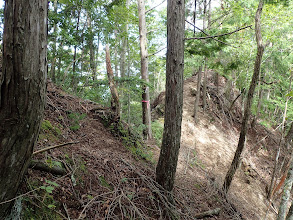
[210, 145]
[105, 179]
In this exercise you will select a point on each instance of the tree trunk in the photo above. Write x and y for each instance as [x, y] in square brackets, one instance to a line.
[74, 77]
[290, 213]
[289, 136]
[204, 91]
[146, 110]
[197, 98]
[54, 50]
[92, 47]
[282, 143]
[257, 65]
[286, 194]
[259, 103]
[115, 97]
[22, 92]
[166, 168]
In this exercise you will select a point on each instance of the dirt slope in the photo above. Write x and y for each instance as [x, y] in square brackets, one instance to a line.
[211, 145]
[104, 179]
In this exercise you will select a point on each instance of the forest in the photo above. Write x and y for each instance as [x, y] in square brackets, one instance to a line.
[122, 109]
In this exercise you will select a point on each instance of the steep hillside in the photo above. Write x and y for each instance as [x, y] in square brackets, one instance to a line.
[101, 170]
[210, 146]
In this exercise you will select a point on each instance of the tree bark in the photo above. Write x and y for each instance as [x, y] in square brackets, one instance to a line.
[247, 111]
[289, 136]
[286, 194]
[197, 98]
[91, 47]
[166, 168]
[74, 79]
[115, 97]
[290, 213]
[146, 110]
[53, 62]
[22, 92]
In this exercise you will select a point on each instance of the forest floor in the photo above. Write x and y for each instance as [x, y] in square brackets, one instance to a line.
[107, 177]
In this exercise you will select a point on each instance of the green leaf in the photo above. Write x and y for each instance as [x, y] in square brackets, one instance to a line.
[49, 189]
[51, 206]
[52, 183]
[290, 94]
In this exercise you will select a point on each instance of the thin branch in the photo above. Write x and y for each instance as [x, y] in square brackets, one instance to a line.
[209, 213]
[220, 35]
[157, 52]
[154, 7]
[269, 83]
[209, 35]
[52, 147]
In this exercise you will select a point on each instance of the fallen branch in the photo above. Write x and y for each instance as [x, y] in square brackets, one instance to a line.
[209, 213]
[38, 165]
[53, 147]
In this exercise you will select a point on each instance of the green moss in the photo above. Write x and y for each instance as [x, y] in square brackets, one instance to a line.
[75, 127]
[49, 131]
[75, 119]
[46, 125]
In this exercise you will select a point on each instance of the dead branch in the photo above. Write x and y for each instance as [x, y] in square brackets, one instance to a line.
[220, 35]
[209, 213]
[157, 52]
[209, 35]
[39, 165]
[52, 147]
[154, 7]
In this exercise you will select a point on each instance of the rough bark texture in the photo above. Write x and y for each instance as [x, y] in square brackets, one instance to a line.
[115, 97]
[166, 168]
[289, 136]
[22, 92]
[54, 45]
[196, 103]
[146, 111]
[92, 48]
[260, 49]
[286, 194]
[290, 213]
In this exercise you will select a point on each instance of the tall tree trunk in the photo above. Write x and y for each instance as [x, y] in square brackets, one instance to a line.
[286, 194]
[259, 103]
[54, 49]
[91, 47]
[197, 98]
[290, 213]
[209, 14]
[97, 56]
[128, 75]
[115, 97]
[60, 54]
[166, 168]
[146, 110]
[282, 143]
[22, 92]
[204, 91]
[256, 72]
[116, 53]
[74, 77]
[123, 57]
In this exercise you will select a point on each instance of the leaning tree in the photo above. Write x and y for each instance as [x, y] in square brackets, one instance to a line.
[22, 91]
